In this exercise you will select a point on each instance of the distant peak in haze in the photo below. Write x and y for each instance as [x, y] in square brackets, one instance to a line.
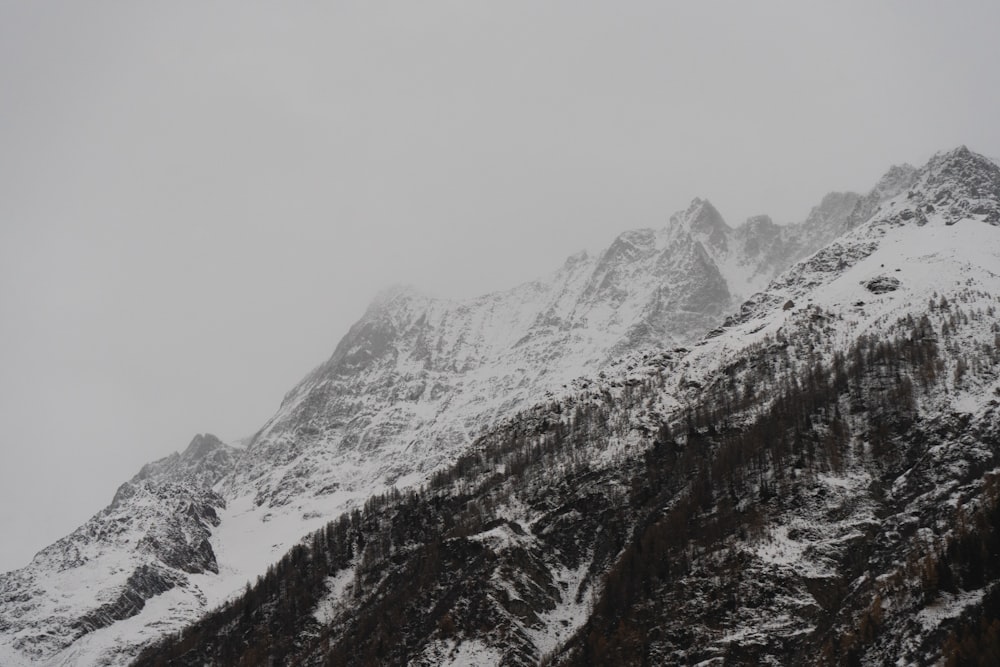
[703, 222]
[895, 179]
[392, 294]
[701, 215]
[576, 258]
[201, 445]
[963, 163]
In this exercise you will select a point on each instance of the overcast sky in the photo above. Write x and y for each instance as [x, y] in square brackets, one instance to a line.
[198, 199]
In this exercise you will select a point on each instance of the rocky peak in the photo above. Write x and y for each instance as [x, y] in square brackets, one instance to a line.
[952, 186]
[202, 445]
[205, 461]
[963, 166]
[392, 296]
[628, 247]
[609, 278]
[392, 311]
[705, 224]
[960, 183]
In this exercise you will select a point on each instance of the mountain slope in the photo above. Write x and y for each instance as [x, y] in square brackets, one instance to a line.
[813, 481]
[414, 382]
[409, 387]
[155, 534]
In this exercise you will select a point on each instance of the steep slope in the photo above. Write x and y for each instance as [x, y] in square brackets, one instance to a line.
[830, 516]
[815, 481]
[417, 378]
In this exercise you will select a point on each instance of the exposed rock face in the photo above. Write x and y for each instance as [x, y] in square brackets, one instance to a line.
[205, 461]
[753, 253]
[955, 186]
[145, 582]
[898, 179]
[146, 542]
[882, 284]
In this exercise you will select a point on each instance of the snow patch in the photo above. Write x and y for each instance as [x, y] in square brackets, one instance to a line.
[561, 623]
[948, 606]
[338, 587]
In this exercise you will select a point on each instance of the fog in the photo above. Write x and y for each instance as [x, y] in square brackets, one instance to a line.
[198, 199]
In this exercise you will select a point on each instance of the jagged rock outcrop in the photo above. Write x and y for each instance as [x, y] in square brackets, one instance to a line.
[205, 461]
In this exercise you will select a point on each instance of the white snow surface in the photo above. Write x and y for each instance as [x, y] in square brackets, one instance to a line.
[463, 653]
[559, 624]
[949, 606]
[336, 600]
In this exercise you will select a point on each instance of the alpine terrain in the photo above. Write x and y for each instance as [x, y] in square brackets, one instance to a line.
[768, 444]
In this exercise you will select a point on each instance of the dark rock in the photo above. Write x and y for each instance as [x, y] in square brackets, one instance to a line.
[882, 284]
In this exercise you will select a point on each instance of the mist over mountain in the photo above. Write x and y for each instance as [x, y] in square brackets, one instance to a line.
[749, 444]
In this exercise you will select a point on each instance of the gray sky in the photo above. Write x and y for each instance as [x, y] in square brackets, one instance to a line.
[197, 199]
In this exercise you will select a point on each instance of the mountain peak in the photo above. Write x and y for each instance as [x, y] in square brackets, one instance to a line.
[202, 463]
[960, 152]
[704, 223]
[393, 294]
[201, 446]
[701, 214]
[962, 163]
[953, 185]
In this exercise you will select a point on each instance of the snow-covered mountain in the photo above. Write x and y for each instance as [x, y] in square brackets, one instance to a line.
[417, 380]
[813, 483]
